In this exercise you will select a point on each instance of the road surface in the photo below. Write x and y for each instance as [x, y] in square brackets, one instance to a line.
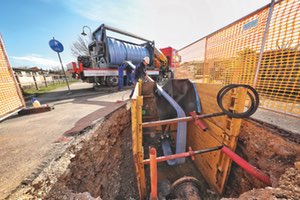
[28, 143]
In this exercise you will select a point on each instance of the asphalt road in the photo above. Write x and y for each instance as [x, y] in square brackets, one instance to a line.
[27, 142]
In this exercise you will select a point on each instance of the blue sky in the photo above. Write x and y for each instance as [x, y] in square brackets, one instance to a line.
[27, 26]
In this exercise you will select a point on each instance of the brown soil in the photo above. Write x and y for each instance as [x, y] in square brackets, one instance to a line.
[264, 149]
[288, 188]
[103, 168]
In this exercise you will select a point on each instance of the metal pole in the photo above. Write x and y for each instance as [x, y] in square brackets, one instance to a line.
[122, 32]
[153, 173]
[190, 153]
[62, 67]
[263, 43]
[94, 58]
[181, 119]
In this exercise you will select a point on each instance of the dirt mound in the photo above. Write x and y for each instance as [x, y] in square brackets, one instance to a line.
[288, 188]
[103, 168]
[264, 149]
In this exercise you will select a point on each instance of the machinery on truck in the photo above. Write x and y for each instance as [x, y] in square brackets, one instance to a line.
[107, 53]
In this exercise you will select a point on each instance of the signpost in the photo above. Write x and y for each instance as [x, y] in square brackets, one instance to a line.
[56, 46]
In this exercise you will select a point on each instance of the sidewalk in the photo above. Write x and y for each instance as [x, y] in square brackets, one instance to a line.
[29, 142]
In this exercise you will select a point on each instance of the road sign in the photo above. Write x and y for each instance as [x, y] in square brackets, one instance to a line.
[56, 46]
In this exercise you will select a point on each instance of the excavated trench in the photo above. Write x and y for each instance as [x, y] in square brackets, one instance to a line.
[266, 149]
[103, 168]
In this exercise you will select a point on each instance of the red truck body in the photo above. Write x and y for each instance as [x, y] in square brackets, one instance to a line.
[172, 55]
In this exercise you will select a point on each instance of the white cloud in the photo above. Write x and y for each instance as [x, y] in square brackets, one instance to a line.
[112, 12]
[34, 60]
[169, 22]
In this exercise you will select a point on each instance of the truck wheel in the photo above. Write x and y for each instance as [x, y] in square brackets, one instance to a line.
[102, 80]
[171, 74]
[112, 81]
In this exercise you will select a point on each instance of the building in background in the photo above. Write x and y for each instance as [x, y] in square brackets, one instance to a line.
[34, 77]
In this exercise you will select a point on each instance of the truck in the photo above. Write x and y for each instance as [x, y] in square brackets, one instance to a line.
[107, 53]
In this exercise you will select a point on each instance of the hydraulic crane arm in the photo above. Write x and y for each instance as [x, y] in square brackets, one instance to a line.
[160, 60]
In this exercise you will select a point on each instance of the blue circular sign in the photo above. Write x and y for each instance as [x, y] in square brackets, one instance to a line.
[56, 46]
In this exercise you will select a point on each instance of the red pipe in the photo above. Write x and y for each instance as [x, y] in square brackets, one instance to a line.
[197, 121]
[169, 157]
[247, 166]
[153, 173]
[190, 153]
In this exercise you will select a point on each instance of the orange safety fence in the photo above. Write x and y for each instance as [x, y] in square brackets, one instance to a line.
[232, 55]
[11, 98]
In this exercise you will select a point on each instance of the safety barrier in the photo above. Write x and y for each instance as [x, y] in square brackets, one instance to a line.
[11, 99]
[261, 49]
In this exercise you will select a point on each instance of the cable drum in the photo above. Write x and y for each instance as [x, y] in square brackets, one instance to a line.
[253, 95]
[120, 51]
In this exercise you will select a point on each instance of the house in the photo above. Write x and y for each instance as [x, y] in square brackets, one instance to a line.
[29, 72]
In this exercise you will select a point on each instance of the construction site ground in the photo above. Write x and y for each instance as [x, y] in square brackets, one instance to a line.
[28, 143]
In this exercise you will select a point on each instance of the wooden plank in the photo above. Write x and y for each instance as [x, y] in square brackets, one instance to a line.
[206, 163]
[208, 99]
[215, 166]
[137, 148]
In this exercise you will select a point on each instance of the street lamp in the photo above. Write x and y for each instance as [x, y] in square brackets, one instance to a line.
[83, 33]
[93, 38]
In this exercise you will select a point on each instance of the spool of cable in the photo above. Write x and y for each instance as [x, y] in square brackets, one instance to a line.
[253, 96]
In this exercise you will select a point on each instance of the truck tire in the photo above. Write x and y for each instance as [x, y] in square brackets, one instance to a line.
[112, 81]
[102, 80]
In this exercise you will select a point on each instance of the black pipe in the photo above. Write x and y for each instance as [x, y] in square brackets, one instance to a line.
[120, 32]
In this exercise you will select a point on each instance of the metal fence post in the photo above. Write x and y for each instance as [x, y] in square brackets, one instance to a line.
[205, 60]
[45, 81]
[263, 43]
[19, 83]
[35, 83]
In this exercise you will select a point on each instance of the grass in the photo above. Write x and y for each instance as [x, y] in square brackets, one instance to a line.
[44, 89]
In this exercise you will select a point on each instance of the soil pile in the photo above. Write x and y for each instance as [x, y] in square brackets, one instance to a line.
[288, 188]
[264, 149]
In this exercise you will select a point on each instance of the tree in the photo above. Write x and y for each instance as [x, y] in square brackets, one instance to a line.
[56, 70]
[80, 47]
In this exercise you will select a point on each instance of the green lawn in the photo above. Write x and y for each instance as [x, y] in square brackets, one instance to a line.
[44, 89]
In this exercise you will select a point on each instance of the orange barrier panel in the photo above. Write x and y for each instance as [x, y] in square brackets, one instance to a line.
[222, 130]
[237, 54]
[11, 98]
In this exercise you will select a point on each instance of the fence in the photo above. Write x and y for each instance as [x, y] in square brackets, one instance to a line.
[36, 82]
[261, 49]
[11, 98]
